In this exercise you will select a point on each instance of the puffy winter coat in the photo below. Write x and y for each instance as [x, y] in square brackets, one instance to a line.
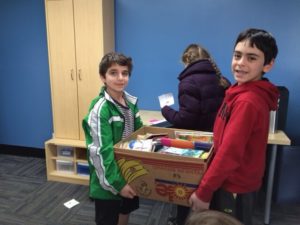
[200, 96]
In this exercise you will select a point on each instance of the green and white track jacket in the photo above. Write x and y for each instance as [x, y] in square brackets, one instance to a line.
[103, 127]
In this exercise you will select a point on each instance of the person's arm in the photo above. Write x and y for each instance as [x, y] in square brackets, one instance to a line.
[102, 152]
[190, 107]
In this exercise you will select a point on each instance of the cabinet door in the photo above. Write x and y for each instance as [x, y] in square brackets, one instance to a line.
[62, 62]
[91, 44]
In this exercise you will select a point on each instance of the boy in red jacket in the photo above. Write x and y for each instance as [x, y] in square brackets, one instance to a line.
[241, 130]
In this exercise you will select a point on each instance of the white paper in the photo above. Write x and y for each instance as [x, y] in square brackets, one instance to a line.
[71, 203]
[166, 99]
[155, 121]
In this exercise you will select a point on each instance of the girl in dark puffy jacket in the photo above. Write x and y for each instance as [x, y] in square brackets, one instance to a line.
[200, 94]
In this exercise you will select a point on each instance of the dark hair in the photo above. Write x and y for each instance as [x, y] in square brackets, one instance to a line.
[112, 58]
[195, 52]
[262, 40]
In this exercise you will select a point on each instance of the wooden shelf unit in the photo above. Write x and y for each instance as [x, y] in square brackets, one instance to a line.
[79, 156]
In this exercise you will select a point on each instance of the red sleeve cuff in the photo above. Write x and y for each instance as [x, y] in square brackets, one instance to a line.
[204, 194]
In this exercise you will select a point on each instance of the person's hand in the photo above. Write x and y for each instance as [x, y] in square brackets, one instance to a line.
[197, 204]
[127, 192]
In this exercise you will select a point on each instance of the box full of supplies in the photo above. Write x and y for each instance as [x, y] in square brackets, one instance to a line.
[164, 164]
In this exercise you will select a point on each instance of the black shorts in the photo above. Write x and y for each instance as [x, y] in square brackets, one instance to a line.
[107, 211]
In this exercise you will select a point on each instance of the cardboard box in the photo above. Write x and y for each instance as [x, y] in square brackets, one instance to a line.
[157, 176]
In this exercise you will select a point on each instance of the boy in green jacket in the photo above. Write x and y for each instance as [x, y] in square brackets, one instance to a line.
[113, 115]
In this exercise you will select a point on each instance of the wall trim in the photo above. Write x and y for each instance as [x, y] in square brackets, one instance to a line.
[22, 151]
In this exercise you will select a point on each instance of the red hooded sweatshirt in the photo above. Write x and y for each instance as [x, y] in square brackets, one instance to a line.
[240, 139]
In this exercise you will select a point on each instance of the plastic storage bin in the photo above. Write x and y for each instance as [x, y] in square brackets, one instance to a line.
[83, 169]
[65, 166]
[65, 151]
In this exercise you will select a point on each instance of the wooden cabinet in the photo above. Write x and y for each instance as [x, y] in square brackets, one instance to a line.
[79, 33]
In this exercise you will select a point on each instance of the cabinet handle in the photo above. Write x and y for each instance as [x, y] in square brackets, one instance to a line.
[72, 77]
[79, 74]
